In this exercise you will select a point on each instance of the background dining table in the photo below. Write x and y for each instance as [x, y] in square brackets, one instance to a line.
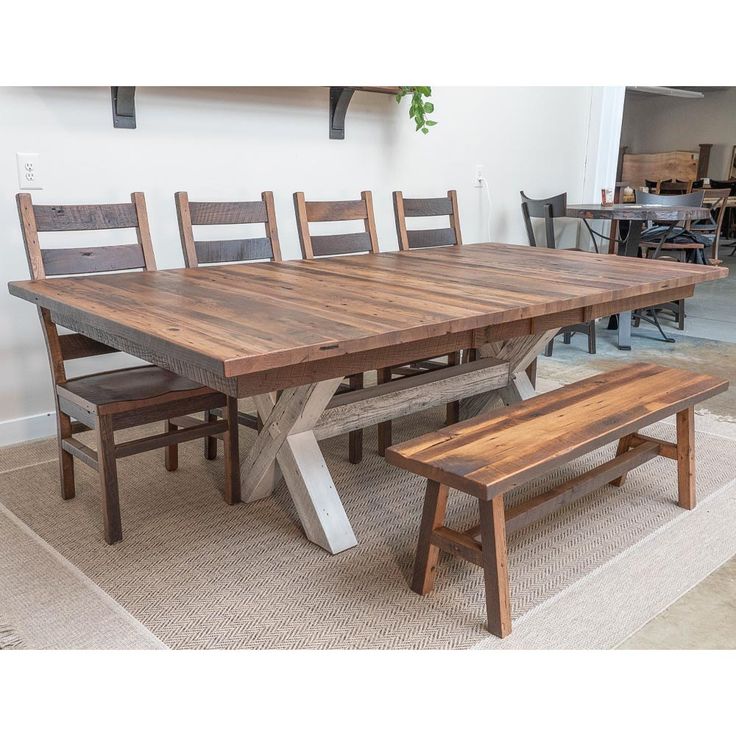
[287, 333]
[635, 215]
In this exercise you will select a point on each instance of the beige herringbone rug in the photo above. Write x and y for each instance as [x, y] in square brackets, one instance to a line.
[198, 573]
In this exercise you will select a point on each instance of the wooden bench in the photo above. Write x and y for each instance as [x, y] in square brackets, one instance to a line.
[494, 453]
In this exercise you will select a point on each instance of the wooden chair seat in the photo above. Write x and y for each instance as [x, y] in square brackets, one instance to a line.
[496, 452]
[132, 385]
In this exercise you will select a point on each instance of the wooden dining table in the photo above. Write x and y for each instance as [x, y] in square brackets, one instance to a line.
[287, 333]
[635, 215]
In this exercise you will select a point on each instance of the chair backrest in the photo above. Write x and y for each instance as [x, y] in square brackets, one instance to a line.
[546, 208]
[717, 209]
[198, 252]
[314, 246]
[693, 199]
[45, 262]
[430, 207]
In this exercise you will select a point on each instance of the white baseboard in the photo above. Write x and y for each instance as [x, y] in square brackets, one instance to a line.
[23, 429]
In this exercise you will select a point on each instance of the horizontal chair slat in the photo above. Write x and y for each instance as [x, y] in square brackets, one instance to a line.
[227, 213]
[431, 207]
[50, 218]
[63, 261]
[431, 238]
[222, 251]
[336, 211]
[80, 346]
[329, 245]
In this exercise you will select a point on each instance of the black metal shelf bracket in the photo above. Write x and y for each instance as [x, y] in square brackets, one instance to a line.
[123, 107]
[339, 101]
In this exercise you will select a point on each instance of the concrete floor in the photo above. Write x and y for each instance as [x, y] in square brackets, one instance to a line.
[705, 617]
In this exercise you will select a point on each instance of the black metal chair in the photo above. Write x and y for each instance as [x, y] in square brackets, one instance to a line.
[549, 209]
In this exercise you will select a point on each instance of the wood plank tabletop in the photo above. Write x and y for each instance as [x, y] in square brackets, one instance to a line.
[242, 319]
[641, 212]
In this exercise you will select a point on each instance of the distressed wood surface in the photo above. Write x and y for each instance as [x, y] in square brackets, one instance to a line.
[327, 315]
[369, 406]
[497, 451]
[636, 212]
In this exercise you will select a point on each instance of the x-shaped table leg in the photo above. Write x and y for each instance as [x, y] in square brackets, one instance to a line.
[287, 439]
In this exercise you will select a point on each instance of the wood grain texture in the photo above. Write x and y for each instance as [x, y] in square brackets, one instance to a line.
[197, 252]
[68, 261]
[496, 452]
[233, 321]
[314, 246]
[430, 207]
[431, 238]
[85, 217]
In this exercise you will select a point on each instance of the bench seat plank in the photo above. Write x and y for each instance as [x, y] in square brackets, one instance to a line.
[498, 451]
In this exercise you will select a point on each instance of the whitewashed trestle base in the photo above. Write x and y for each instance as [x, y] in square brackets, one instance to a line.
[293, 422]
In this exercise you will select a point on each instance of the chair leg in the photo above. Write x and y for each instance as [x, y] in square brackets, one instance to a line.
[210, 443]
[433, 516]
[495, 565]
[171, 452]
[108, 473]
[232, 453]
[452, 410]
[591, 337]
[680, 314]
[548, 348]
[66, 459]
[384, 428]
[567, 337]
[355, 438]
[686, 458]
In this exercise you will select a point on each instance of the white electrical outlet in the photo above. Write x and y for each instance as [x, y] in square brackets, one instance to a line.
[479, 177]
[29, 175]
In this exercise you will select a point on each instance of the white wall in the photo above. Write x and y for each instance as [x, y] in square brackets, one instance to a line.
[233, 143]
[654, 124]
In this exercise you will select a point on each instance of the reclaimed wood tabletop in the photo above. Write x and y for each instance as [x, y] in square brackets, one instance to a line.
[243, 319]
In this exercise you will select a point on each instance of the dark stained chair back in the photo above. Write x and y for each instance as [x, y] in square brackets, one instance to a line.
[430, 207]
[44, 262]
[547, 209]
[314, 246]
[199, 252]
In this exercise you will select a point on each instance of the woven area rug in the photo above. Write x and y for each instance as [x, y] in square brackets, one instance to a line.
[200, 574]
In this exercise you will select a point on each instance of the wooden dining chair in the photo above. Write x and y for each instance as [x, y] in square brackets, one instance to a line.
[336, 244]
[550, 209]
[428, 207]
[233, 250]
[673, 241]
[199, 252]
[339, 244]
[117, 399]
[410, 239]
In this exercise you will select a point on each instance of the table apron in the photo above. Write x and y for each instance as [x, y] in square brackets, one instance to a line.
[261, 382]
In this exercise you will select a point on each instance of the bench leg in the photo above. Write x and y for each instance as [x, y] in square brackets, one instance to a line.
[433, 516]
[624, 445]
[495, 565]
[686, 458]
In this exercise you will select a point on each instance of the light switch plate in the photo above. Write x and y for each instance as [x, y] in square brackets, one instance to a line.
[29, 174]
